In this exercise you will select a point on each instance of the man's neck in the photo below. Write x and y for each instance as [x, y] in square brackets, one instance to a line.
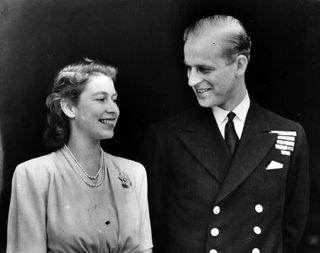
[230, 105]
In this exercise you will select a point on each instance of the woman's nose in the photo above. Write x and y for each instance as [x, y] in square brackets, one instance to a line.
[112, 107]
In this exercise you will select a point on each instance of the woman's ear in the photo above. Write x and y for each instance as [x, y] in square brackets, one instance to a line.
[68, 108]
[241, 64]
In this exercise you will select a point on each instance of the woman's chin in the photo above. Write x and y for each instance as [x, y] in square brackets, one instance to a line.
[108, 135]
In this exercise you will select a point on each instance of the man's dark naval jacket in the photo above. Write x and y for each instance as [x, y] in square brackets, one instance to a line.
[203, 200]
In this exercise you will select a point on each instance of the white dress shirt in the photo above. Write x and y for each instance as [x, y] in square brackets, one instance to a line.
[241, 113]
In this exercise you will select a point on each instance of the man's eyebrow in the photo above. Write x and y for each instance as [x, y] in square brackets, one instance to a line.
[184, 62]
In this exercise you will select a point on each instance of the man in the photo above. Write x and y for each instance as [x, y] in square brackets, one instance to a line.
[219, 181]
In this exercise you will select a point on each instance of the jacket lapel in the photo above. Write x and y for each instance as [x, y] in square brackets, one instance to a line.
[202, 138]
[253, 147]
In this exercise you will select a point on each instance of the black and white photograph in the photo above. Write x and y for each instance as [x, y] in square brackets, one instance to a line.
[159, 126]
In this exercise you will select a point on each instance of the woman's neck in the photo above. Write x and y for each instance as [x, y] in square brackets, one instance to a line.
[87, 153]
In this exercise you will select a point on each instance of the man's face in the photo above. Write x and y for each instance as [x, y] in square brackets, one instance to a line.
[211, 77]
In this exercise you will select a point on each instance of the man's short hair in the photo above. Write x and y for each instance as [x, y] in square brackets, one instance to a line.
[238, 42]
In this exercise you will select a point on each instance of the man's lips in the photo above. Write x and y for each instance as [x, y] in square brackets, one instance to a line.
[202, 90]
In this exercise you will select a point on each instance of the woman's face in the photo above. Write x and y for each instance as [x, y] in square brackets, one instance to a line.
[96, 113]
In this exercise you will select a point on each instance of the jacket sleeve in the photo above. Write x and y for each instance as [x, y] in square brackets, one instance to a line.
[297, 195]
[26, 220]
[153, 155]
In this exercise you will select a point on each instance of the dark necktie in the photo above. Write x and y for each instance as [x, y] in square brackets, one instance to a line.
[230, 134]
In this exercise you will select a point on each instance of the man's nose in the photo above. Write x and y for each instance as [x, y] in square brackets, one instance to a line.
[193, 77]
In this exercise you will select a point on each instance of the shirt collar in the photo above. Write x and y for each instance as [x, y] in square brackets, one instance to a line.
[240, 110]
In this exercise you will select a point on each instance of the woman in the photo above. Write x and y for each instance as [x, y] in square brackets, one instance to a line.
[79, 198]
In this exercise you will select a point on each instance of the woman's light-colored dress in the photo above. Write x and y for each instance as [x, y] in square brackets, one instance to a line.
[53, 210]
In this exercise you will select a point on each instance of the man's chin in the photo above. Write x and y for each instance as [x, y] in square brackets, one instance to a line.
[206, 104]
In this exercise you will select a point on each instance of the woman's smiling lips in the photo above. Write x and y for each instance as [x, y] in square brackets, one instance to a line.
[108, 121]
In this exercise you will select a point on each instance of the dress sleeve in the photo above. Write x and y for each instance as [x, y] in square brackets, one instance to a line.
[145, 229]
[27, 218]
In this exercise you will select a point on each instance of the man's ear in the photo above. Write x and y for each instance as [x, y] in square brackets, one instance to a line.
[68, 108]
[241, 64]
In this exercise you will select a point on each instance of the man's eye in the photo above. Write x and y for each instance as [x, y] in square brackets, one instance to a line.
[204, 70]
[100, 99]
[116, 100]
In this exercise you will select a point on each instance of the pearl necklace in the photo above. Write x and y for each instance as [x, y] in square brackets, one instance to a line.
[95, 177]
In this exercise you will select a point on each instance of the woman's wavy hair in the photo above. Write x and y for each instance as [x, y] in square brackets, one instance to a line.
[69, 84]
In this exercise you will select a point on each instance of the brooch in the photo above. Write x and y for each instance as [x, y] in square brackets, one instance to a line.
[285, 141]
[125, 180]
